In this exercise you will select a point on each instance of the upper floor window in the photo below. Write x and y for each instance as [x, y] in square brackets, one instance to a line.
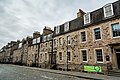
[97, 33]
[49, 36]
[20, 45]
[66, 26]
[46, 45]
[44, 38]
[99, 55]
[46, 56]
[57, 29]
[34, 41]
[68, 40]
[55, 42]
[115, 30]
[108, 10]
[60, 41]
[83, 36]
[84, 55]
[38, 40]
[87, 18]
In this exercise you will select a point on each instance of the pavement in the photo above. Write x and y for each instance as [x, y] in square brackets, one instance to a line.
[89, 76]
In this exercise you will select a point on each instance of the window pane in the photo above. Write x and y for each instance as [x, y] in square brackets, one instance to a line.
[108, 10]
[116, 29]
[87, 18]
[84, 55]
[60, 55]
[68, 39]
[97, 33]
[99, 55]
[68, 56]
[83, 36]
[66, 26]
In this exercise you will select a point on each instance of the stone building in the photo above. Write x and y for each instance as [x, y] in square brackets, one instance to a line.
[90, 39]
[33, 50]
[25, 45]
[7, 53]
[45, 48]
[2, 52]
[17, 54]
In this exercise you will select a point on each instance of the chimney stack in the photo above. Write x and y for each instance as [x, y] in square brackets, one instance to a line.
[36, 34]
[47, 30]
[80, 13]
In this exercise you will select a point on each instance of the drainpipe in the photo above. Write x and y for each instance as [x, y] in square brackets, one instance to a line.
[52, 52]
[67, 53]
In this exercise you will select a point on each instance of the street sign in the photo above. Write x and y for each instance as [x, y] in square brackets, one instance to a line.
[93, 68]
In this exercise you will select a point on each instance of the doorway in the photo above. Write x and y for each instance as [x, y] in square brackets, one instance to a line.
[118, 57]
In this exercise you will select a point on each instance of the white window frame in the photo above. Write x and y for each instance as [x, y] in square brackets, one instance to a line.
[110, 4]
[68, 39]
[46, 56]
[60, 41]
[20, 45]
[55, 41]
[96, 55]
[66, 26]
[85, 36]
[87, 14]
[57, 29]
[44, 38]
[38, 40]
[94, 33]
[82, 54]
[112, 30]
[34, 41]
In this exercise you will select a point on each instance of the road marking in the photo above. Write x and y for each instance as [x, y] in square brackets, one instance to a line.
[47, 77]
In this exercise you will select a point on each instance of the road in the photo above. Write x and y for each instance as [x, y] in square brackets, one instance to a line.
[11, 72]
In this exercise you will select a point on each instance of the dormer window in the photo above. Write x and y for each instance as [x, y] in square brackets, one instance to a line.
[44, 38]
[38, 40]
[34, 41]
[87, 18]
[57, 29]
[20, 45]
[66, 26]
[108, 10]
[49, 37]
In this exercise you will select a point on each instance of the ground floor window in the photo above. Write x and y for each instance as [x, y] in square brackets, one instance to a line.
[84, 55]
[60, 55]
[68, 56]
[99, 55]
[46, 56]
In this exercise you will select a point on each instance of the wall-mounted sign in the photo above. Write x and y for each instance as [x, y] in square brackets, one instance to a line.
[93, 68]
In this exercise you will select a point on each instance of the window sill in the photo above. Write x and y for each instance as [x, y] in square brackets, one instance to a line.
[99, 61]
[116, 37]
[83, 41]
[97, 39]
[85, 61]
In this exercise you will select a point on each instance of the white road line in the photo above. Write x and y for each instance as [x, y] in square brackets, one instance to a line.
[47, 77]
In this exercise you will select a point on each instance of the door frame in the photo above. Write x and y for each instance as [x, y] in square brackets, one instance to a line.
[116, 57]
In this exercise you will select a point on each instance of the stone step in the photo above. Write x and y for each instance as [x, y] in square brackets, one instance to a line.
[114, 73]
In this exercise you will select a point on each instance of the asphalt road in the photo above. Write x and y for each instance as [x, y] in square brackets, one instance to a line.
[10, 72]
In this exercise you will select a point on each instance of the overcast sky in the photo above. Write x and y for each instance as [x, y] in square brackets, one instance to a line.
[19, 18]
